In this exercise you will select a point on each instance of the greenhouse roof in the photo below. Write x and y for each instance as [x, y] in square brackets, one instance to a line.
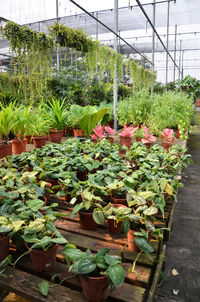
[133, 26]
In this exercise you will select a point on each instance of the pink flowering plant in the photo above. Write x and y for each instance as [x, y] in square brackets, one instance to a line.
[168, 135]
[101, 132]
[128, 131]
[148, 138]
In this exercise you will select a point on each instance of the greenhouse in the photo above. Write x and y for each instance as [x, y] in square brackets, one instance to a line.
[99, 150]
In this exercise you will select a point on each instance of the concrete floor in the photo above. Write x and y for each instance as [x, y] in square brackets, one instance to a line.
[183, 247]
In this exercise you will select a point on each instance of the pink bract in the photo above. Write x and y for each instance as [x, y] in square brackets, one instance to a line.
[109, 130]
[148, 138]
[168, 135]
[128, 131]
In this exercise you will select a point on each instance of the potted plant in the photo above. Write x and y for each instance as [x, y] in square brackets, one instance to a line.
[39, 130]
[42, 239]
[23, 120]
[117, 192]
[98, 272]
[113, 215]
[103, 132]
[145, 137]
[126, 136]
[6, 126]
[75, 115]
[168, 135]
[6, 228]
[88, 201]
[58, 118]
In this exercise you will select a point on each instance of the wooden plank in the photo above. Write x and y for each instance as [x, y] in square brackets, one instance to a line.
[156, 275]
[99, 233]
[125, 293]
[170, 222]
[95, 245]
[27, 286]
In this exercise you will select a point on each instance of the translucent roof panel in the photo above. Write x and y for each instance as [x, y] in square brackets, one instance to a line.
[133, 27]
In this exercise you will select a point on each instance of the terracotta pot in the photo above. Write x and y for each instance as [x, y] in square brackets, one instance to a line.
[4, 247]
[114, 227]
[121, 201]
[5, 150]
[86, 221]
[69, 131]
[166, 146]
[131, 244]
[19, 146]
[178, 135]
[39, 141]
[55, 136]
[126, 141]
[77, 132]
[95, 289]
[197, 104]
[28, 137]
[43, 260]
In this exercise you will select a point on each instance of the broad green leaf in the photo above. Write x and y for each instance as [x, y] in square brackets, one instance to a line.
[112, 260]
[35, 204]
[150, 211]
[103, 252]
[101, 263]
[59, 240]
[125, 226]
[44, 288]
[168, 189]
[87, 265]
[116, 274]
[73, 253]
[6, 261]
[98, 217]
[143, 245]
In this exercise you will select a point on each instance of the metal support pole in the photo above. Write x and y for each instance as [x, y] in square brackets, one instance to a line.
[97, 26]
[182, 64]
[167, 44]
[179, 74]
[115, 95]
[153, 37]
[175, 52]
[57, 49]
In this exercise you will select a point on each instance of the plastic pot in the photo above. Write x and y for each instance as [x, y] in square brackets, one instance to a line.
[126, 141]
[131, 244]
[28, 137]
[77, 132]
[43, 260]
[113, 226]
[55, 136]
[19, 146]
[39, 141]
[86, 221]
[166, 146]
[121, 201]
[95, 289]
[4, 247]
[5, 150]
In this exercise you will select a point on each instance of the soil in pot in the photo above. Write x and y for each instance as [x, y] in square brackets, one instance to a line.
[126, 141]
[86, 221]
[131, 244]
[77, 132]
[39, 141]
[53, 183]
[43, 260]
[5, 150]
[4, 247]
[55, 136]
[113, 226]
[82, 175]
[95, 289]
[19, 146]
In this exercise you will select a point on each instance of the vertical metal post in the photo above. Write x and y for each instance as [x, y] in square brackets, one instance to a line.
[115, 74]
[179, 73]
[153, 38]
[97, 26]
[182, 64]
[57, 49]
[167, 44]
[175, 52]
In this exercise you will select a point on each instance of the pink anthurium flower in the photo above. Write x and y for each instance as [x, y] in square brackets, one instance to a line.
[148, 138]
[109, 131]
[168, 135]
[128, 131]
